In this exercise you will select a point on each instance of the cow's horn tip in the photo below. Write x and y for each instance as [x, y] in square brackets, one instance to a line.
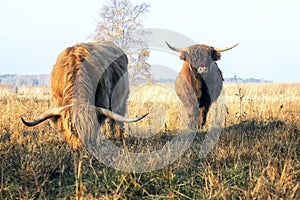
[143, 116]
[25, 122]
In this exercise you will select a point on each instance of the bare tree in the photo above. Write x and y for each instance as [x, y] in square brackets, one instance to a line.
[121, 22]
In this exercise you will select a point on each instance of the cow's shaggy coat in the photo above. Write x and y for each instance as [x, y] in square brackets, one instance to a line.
[89, 90]
[200, 80]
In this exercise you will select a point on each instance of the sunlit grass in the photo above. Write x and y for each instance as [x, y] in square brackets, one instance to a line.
[256, 157]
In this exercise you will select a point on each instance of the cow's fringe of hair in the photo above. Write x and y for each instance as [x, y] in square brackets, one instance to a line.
[93, 85]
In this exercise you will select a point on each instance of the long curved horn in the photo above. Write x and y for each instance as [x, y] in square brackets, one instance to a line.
[54, 112]
[226, 48]
[118, 117]
[176, 49]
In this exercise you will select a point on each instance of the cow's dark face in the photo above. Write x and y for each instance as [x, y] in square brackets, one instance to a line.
[201, 58]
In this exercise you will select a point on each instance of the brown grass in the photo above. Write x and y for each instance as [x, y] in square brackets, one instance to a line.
[256, 157]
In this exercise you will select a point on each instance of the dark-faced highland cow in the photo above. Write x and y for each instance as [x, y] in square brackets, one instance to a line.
[89, 91]
[200, 80]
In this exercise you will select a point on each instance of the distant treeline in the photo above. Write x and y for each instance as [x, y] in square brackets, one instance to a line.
[18, 80]
[247, 80]
[44, 80]
[227, 80]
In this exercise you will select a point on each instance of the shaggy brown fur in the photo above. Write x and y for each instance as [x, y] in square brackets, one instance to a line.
[61, 88]
[199, 82]
[89, 74]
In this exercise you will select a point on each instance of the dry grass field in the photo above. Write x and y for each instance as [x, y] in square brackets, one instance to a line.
[256, 157]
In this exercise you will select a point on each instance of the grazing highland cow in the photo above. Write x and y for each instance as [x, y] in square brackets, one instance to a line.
[89, 87]
[200, 81]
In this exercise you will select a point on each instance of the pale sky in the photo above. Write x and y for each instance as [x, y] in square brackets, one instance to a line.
[34, 32]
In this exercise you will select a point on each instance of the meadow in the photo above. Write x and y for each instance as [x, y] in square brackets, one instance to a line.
[257, 155]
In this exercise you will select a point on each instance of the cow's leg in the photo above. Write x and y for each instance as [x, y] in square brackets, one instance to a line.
[119, 126]
[114, 128]
[203, 115]
[118, 104]
[193, 114]
[189, 100]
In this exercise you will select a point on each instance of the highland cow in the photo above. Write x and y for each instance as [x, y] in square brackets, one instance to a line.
[200, 80]
[88, 88]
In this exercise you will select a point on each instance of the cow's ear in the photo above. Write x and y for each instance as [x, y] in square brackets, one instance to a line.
[183, 56]
[215, 55]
